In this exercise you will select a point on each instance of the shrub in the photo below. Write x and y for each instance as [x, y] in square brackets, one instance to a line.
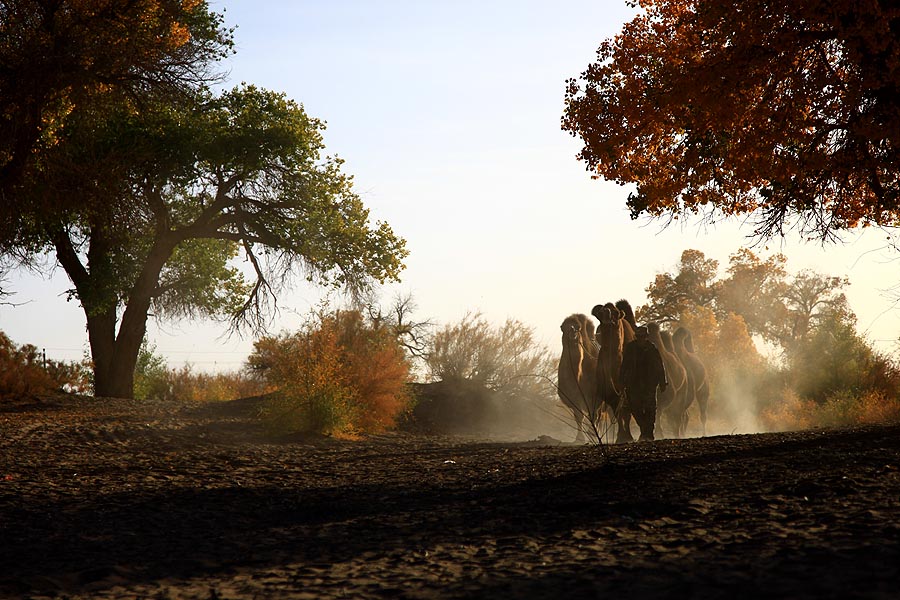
[503, 359]
[789, 413]
[151, 374]
[185, 384]
[23, 372]
[153, 380]
[339, 375]
[794, 412]
[876, 407]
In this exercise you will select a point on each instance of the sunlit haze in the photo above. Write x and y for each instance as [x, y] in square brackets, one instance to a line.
[448, 117]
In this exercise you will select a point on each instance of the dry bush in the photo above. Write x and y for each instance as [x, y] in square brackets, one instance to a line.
[376, 368]
[875, 407]
[312, 390]
[504, 359]
[789, 413]
[184, 384]
[794, 412]
[23, 372]
[153, 380]
[340, 375]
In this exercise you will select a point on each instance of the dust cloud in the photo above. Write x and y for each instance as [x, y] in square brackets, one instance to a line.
[733, 409]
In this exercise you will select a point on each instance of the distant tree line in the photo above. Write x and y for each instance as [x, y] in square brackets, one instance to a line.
[815, 352]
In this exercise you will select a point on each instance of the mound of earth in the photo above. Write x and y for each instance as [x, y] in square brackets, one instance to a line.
[111, 499]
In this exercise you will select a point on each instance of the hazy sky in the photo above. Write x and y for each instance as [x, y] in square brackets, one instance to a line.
[448, 116]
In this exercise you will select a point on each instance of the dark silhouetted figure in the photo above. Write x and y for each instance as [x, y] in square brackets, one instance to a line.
[642, 372]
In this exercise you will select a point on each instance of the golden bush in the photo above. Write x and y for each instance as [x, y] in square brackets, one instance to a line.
[340, 375]
[24, 372]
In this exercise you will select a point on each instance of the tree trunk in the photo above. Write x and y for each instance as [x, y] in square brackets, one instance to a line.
[122, 356]
[102, 337]
[114, 354]
[118, 380]
[127, 347]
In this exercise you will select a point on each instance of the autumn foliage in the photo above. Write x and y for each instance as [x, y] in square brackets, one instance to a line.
[25, 372]
[816, 369]
[63, 56]
[339, 375]
[784, 110]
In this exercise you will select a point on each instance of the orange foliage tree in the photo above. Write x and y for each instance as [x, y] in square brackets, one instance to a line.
[787, 111]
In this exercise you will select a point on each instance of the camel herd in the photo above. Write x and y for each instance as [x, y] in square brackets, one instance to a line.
[594, 386]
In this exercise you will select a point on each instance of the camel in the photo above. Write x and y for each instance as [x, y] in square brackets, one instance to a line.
[613, 333]
[673, 398]
[684, 348]
[577, 371]
[625, 306]
[678, 410]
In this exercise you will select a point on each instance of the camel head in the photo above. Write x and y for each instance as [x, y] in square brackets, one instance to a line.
[607, 313]
[653, 332]
[571, 329]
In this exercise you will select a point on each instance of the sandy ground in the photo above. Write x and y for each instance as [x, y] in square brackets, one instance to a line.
[116, 499]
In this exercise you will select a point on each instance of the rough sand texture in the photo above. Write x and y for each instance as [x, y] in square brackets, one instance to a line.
[112, 499]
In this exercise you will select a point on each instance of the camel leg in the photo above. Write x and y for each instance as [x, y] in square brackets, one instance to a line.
[579, 420]
[606, 422]
[659, 421]
[623, 420]
[674, 416]
[681, 399]
[703, 402]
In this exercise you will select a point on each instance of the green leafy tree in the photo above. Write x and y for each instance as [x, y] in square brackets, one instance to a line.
[172, 192]
[811, 300]
[781, 309]
[831, 360]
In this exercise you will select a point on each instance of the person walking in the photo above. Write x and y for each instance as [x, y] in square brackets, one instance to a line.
[642, 372]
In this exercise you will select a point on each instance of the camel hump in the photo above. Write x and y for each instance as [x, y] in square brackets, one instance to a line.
[684, 338]
[625, 307]
[667, 340]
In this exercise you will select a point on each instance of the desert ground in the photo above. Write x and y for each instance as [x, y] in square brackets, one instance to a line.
[122, 499]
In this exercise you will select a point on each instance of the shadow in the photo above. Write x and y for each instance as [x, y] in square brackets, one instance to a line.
[797, 572]
[73, 541]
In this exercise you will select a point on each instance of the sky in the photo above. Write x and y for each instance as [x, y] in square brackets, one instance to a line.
[447, 114]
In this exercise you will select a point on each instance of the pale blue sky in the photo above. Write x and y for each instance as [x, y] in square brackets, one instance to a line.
[447, 114]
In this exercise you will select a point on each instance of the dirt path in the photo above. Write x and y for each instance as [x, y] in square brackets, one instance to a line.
[122, 499]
